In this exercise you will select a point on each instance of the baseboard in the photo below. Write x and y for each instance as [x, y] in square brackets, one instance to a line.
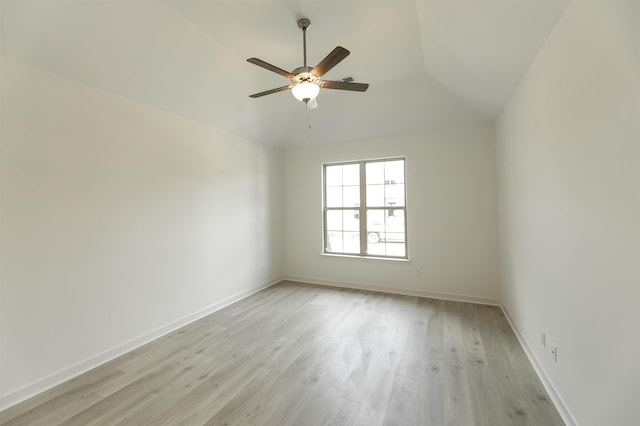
[404, 291]
[55, 379]
[562, 408]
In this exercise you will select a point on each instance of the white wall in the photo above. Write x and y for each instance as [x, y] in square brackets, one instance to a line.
[118, 222]
[451, 209]
[569, 205]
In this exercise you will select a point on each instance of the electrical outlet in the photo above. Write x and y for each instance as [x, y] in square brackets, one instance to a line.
[543, 339]
[554, 352]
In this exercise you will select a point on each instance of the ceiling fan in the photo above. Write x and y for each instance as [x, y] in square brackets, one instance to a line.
[306, 81]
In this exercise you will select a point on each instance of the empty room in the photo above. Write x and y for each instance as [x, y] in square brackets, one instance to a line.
[288, 212]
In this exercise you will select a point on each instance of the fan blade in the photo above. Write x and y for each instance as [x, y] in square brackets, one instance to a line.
[343, 85]
[330, 61]
[268, 92]
[266, 65]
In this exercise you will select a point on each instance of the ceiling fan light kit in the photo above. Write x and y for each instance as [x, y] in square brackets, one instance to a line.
[306, 81]
[305, 91]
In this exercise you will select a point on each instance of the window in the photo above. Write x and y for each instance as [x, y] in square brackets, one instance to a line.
[364, 208]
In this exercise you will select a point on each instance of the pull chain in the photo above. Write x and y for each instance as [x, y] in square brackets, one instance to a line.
[308, 123]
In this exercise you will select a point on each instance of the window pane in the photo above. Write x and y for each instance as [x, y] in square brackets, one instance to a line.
[351, 242]
[395, 246]
[385, 183]
[334, 220]
[394, 221]
[375, 221]
[375, 232]
[333, 175]
[351, 196]
[343, 242]
[375, 172]
[334, 242]
[351, 174]
[334, 197]
[375, 196]
[394, 171]
[351, 222]
[394, 236]
[377, 249]
[343, 231]
[394, 194]
[386, 232]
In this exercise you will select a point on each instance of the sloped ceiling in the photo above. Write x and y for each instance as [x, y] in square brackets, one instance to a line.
[431, 64]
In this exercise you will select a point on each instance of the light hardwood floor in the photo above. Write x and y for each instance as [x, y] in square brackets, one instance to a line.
[298, 354]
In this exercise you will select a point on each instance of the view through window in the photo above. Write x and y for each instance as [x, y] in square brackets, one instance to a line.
[365, 209]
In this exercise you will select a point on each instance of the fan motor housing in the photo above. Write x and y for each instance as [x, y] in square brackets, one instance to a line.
[300, 70]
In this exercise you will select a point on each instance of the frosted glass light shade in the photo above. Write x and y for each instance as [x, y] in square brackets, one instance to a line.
[305, 91]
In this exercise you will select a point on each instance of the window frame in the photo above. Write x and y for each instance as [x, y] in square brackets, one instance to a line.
[363, 210]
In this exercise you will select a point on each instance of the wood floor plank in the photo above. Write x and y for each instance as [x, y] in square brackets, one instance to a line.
[321, 402]
[483, 388]
[59, 399]
[159, 406]
[302, 354]
[402, 403]
[361, 373]
[373, 406]
[247, 402]
[207, 399]
[284, 404]
[416, 342]
[338, 359]
[431, 391]
[122, 403]
[46, 415]
[342, 413]
[457, 401]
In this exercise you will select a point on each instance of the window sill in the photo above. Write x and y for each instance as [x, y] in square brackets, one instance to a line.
[355, 256]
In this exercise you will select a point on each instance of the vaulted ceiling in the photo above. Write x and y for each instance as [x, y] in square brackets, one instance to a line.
[431, 64]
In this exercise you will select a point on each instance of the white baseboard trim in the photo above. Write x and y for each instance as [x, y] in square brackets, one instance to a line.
[393, 290]
[55, 379]
[562, 408]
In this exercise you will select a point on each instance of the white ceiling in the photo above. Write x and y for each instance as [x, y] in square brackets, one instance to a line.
[431, 64]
